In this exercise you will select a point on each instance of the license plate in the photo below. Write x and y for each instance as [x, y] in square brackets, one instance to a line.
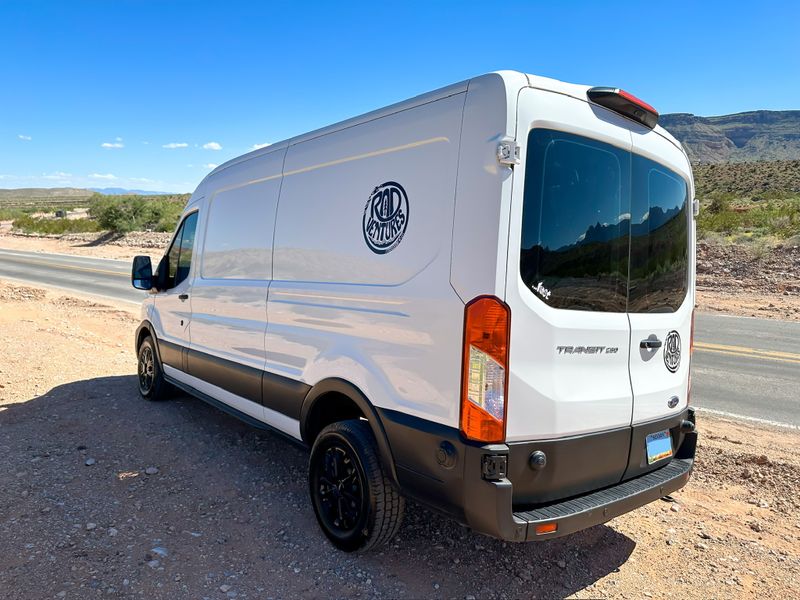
[659, 446]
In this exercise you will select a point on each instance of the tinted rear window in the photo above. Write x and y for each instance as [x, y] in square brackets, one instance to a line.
[659, 244]
[574, 222]
[581, 198]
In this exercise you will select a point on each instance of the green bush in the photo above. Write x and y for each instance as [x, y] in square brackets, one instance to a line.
[30, 224]
[122, 214]
[719, 203]
[779, 219]
[9, 214]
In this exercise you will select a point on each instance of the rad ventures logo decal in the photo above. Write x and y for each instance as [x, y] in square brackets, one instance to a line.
[385, 217]
[672, 351]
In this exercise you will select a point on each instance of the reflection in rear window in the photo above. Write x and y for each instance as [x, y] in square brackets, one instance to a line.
[575, 222]
[584, 203]
[659, 242]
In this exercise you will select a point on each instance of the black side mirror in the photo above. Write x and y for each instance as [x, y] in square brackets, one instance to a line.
[142, 273]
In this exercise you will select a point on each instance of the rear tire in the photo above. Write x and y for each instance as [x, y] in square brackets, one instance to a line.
[356, 505]
[152, 385]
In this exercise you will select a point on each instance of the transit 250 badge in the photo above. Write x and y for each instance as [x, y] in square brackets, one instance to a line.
[385, 217]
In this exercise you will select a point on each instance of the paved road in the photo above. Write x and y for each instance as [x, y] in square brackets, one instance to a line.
[742, 366]
[97, 276]
[748, 367]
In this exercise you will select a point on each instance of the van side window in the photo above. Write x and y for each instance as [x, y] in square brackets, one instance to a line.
[575, 222]
[187, 248]
[179, 257]
[173, 256]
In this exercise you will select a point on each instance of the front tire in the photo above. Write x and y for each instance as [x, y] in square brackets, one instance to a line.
[354, 501]
[149, 374]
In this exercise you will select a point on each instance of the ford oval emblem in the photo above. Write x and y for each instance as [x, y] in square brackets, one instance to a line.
[672, 351]
[673, 402]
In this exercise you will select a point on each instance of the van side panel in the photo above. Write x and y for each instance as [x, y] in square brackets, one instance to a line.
[480, 231]
[387, 322]
[229, 292]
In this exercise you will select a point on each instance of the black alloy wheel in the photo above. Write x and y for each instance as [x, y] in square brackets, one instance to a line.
[146, 369]
[150, 377]
[356, 505]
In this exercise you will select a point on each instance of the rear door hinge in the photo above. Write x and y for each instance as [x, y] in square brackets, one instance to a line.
[508, 152]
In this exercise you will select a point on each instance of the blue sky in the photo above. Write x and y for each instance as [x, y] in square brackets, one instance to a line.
[106, 93]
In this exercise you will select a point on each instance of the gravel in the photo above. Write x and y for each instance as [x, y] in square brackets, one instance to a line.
[230, 507]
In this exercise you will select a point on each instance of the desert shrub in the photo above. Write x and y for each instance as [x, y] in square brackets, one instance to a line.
[29, 224]
[122, 214]
[779, 219]
[10, 214]
[719, 203]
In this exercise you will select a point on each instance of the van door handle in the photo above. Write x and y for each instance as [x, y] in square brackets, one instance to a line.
[183, 297]
[650, 344]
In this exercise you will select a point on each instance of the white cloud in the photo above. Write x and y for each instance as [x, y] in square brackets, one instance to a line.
[142, 180]
[119, 139]
[210, 166]
[112, 145]
[25, 138]
[259, 146]
[623, 216]
[107, 176]
[57, 176]
[212, 146]
[173, 145]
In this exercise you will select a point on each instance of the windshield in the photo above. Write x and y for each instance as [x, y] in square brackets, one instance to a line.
[602, 229]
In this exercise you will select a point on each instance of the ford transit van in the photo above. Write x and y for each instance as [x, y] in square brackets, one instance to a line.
[480, 298]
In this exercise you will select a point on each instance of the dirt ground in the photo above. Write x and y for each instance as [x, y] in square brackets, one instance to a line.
[104, 494]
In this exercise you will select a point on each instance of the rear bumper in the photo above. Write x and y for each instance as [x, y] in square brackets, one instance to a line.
[598, 507]
[493, 506]
[576, 513]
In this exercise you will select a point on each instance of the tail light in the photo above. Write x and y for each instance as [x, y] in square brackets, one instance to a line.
[691, 351]
[625, 104]
[484, 377]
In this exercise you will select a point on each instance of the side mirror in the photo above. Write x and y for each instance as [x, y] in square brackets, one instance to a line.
[142, 273]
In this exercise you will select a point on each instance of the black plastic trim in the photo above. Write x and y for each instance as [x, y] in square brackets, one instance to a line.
[244, 417]
[276, 392]
[416, 445]
[233, 377]
[171, 353]
[575, 465]
[603, 505]
[347, 389]
[283, 394]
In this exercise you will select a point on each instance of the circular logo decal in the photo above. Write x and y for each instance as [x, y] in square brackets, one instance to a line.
[672, 351]
[385, 217]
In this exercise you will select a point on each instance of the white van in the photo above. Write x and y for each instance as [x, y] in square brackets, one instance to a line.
[480, 298]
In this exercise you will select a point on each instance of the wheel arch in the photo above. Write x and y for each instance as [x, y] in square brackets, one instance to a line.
[146, 329]
[347, 398]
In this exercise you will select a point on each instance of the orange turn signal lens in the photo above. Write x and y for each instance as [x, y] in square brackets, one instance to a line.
[546, 528]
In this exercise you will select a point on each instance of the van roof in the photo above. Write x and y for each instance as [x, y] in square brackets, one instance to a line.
[512, 80]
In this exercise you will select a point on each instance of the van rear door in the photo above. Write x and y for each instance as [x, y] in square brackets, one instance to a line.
[661, 297]
[567, 280]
